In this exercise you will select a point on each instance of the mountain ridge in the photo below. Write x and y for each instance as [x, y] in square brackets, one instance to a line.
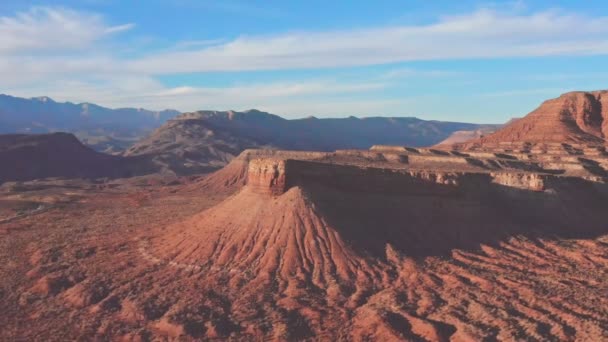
[102, 128]
[37, 156]
[213, 138]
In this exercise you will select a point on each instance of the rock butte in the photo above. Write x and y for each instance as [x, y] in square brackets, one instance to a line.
[329, 237]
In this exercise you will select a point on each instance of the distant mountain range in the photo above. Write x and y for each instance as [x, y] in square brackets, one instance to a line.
[102, 128]
[202, 141]
[199, 141]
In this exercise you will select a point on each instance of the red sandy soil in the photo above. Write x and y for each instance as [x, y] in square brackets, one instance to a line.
[308, 251]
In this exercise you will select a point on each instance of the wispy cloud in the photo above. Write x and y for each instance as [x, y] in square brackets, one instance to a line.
[401, 73]
[119, 28]
[52, 29]
[145, 91]
[63, 53]
[481, 34]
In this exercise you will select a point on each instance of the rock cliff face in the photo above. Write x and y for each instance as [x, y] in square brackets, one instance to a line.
[233, 176]
[576, 117]
[533, 182]
[276, 176]
[267, 176]
[394, 168]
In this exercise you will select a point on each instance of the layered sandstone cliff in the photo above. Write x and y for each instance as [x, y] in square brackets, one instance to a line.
[576, 117]
[276, 176]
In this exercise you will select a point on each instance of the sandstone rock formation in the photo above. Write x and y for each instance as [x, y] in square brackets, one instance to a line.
[572, 118]
[393, 243]
[497, 241]
[335, 237]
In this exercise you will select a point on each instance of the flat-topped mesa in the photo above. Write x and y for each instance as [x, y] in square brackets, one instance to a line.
[274, 176]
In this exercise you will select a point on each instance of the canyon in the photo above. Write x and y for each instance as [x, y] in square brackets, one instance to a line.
[393, 242]
[502, 237]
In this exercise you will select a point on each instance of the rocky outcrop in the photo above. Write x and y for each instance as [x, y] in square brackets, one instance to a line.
[576, 117]
[387, 168]
[530, 181]
[267, 176]
[274, 176]
[233, 176]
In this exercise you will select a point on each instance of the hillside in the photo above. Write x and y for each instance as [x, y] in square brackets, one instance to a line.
[26, 157]
[189, 146]
[572, 118]
[103, 128]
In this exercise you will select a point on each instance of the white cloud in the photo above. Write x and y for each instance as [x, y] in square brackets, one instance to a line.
[61, 53]
[119, 28]
[481, 34]
[52, 29]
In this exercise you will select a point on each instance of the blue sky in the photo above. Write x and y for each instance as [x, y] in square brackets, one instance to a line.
[475, 61]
